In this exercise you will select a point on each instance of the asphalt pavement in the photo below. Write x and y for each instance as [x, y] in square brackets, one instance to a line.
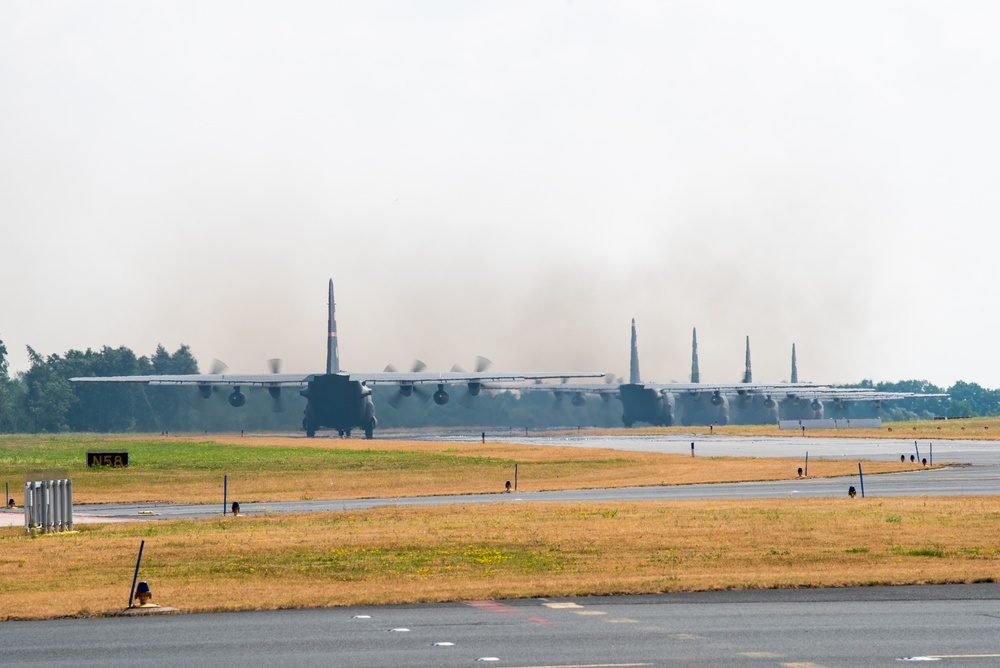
[957, 625]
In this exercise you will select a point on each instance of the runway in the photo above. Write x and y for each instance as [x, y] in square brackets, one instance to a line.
[977, 473]
[820, 628]
[873, 626]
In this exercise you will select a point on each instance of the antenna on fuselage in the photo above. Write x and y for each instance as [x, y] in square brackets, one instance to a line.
[695, 374]
[633, 367]
[332, 353]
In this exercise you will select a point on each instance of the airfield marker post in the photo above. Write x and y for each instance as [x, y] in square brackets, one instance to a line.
[917, 450]
[515, 477]
[862, 477]
[225, 483]
[131, 594]
[692, 448]
[931, 446]
[807, 463]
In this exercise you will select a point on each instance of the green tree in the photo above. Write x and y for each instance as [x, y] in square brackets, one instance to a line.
[7, 408]
[48, 397]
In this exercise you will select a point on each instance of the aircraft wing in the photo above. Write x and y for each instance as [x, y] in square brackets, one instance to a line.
[457, 377]
[209, 379]
[373, 378]
[802, 390]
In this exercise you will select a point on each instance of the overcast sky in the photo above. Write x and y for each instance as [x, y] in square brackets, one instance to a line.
[509, 179]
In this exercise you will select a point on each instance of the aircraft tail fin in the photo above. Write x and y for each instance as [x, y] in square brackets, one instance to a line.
[795, 368]
[332, 352]
[633, 367]
[695, 374]
[748, 374]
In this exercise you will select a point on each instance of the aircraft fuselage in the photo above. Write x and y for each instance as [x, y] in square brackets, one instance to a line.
[337, 402]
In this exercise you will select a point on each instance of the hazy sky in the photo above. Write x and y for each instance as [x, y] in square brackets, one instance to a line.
[509, 179]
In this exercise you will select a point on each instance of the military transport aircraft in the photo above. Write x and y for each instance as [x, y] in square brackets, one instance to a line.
[337, 399]
[697, 403]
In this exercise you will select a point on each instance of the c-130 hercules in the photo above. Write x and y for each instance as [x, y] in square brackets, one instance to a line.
[337, 399]
[697, 403]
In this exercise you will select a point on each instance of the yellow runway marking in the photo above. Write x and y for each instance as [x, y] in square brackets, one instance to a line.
[560, 606]
[590, 612]
[687, 636]
[759, 655]
[622, 620]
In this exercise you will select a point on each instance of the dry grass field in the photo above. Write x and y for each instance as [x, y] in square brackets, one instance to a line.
[470, 552]
[462, 552]
[191, 469]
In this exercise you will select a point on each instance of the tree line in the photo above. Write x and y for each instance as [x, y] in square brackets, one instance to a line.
[42, 400]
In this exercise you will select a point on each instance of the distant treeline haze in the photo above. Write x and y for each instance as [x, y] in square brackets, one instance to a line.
[43, 400]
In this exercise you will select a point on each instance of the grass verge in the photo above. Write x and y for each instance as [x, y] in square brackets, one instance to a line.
[503, 550]
[191, 469]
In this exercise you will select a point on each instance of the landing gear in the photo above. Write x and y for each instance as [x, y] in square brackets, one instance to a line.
[310, 430]
[369, 431]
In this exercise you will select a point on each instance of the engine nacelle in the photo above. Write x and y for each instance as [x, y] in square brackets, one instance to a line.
[474, 389]
[578, 399]
[275, 392]
[237, 398]
[769, 402]
[717, 399]
[441, 397]
[816, 405]
[205, 391]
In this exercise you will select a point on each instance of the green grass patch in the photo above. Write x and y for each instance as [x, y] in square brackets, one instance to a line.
[18, 455]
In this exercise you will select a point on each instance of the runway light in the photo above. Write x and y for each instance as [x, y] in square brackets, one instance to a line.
[144, 596]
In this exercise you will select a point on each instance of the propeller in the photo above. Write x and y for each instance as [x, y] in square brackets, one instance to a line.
[473, 388]
[206, 391]
[559, 393]
[407, 388]
[276, 404]
[612, 382]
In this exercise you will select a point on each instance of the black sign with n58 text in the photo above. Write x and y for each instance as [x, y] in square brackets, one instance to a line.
[112, 459]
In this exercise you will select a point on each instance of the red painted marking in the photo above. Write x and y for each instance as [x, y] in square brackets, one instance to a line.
[493, 606]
